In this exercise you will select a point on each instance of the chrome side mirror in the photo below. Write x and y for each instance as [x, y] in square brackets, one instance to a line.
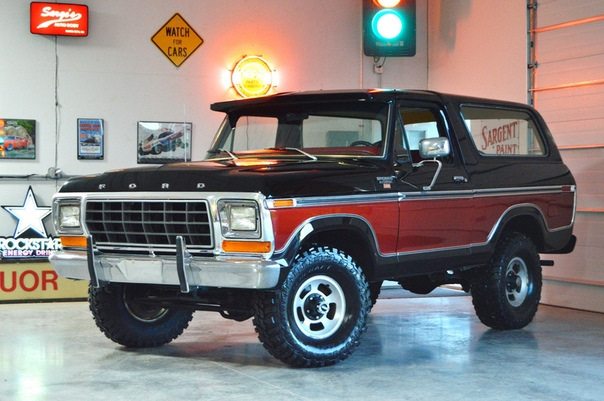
[431, 148]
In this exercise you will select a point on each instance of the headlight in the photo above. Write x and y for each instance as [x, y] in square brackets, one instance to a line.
[239, 219]
[67, 216]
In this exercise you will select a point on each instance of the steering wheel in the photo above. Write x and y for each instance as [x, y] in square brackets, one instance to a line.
[361, 143]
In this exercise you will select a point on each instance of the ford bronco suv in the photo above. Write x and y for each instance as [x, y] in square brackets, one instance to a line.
[307, 202]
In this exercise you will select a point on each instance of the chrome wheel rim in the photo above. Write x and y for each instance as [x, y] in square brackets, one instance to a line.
[517, 281]
[319, 307]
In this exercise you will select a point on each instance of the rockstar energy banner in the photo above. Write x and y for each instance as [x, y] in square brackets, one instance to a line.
[25, 273]
[37, 281]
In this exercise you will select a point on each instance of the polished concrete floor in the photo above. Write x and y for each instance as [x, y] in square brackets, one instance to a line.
[430, 348]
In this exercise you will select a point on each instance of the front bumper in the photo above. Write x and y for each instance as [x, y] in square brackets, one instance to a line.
[223, 271]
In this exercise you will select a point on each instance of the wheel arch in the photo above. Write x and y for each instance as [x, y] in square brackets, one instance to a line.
[524, 219]
[350, 234]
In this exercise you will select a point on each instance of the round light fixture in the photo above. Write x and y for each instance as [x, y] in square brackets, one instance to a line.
[387, 24]
[252, 76]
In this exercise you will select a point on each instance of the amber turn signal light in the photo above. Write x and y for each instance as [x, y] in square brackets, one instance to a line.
[246, 246]
[79, 242]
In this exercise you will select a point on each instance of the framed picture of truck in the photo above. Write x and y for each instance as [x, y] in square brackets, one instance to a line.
[17, 139]
[163, 142]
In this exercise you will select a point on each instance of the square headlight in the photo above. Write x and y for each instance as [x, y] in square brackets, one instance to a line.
[239, 219]
[69, 216]
[242, 218]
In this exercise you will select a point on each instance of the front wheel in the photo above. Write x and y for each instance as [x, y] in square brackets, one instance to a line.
[318, 315]
[506, 294]
[121, 315]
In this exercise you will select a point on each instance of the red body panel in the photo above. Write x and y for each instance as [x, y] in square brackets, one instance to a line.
[426, 223]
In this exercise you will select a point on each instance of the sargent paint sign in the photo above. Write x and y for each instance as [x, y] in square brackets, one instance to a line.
[58, 19]
[500, 137]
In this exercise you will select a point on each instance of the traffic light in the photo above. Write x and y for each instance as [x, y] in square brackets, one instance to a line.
[389, 28]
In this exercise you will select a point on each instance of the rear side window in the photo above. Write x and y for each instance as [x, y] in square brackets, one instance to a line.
[503, 132]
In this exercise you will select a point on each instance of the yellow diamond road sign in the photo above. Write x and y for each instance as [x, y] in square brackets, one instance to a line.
[177, 40]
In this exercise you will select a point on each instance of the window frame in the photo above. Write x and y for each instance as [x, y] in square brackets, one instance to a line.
[443, 125]
[538, 131]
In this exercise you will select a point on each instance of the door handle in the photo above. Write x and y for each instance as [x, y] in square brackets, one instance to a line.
[460, 178]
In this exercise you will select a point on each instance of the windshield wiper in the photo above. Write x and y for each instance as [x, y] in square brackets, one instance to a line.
[311, 157]
[219, 151]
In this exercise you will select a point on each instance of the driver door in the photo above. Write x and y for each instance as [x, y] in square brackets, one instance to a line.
[436, 220]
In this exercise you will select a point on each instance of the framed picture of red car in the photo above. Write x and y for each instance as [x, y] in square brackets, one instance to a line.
[90, 138]
[17, 139]
[163, 142]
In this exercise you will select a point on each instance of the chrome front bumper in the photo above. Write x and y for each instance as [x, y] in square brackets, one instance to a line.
[225, 271]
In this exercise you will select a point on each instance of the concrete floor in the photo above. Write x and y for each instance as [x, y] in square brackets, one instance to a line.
[415, 349]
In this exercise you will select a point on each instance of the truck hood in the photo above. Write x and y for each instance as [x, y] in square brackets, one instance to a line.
[271, 177]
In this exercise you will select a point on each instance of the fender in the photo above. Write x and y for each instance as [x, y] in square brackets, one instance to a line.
[546, 239]
[332, 222]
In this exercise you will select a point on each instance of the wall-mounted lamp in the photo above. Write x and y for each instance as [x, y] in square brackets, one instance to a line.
[252, 76]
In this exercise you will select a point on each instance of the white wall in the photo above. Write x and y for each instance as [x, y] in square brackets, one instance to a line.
[478, 48]
[117, 73]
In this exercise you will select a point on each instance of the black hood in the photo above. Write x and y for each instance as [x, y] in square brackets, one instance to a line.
[276, 178]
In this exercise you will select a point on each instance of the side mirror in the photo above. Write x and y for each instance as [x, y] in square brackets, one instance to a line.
[431, 148]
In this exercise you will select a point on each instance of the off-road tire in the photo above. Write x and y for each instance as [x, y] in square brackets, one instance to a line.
[316, 318]
[131, 324]
[506, 294]
[375, 289]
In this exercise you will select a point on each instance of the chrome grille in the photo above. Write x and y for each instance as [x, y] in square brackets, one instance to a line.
[149, 224]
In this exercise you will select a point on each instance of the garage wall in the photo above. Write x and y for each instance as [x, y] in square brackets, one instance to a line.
[569, 92]
[478, 48]
[117, 74]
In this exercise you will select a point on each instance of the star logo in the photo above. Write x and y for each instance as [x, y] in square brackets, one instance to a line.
[29, 215]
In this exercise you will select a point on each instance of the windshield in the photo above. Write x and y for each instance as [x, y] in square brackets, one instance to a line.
[346, 129]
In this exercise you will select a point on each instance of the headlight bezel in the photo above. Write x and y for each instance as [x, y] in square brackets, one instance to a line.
[60, 217]
[239, 218]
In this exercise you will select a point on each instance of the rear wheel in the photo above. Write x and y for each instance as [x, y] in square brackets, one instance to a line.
[506, 295]
[374, 291]
[318, 315]
[119, 313]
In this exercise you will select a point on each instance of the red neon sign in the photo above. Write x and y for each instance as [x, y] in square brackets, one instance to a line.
[58, 19]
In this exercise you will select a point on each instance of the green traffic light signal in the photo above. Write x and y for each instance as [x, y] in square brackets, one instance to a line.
[389, 30]
[387, 24]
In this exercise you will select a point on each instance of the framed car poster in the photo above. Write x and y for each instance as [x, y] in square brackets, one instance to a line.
[163, 142]
[17, 139]
[90, 138]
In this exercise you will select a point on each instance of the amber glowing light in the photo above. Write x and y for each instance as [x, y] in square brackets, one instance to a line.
[387, 3]
[252, 76]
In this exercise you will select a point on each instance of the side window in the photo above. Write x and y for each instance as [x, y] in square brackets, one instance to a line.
[419, 123]
[501, 132]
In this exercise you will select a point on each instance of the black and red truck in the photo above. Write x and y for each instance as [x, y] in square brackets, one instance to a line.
[307, 202]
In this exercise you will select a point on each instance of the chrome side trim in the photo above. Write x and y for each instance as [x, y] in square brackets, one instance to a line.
[424, 195]
[345, 199]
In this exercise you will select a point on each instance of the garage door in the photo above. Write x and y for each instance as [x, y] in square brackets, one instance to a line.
[566, 84]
